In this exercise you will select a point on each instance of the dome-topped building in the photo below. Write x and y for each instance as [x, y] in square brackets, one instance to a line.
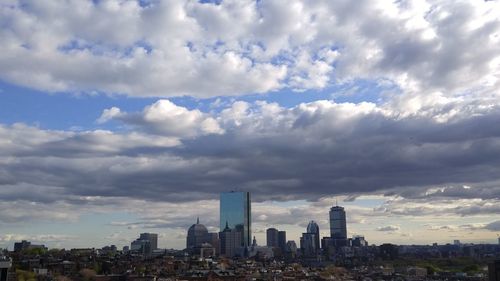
[197, 235]
[313, 228]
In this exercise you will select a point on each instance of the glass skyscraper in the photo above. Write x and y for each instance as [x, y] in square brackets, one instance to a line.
[235, 211]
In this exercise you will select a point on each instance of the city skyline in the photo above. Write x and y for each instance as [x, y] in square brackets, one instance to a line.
[129, 117]
[312, 227]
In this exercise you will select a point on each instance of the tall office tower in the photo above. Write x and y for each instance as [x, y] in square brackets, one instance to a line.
[5, 264]
[272, 237]
[313, 228]
[338, 225]
[282, 240]
[152, 238]
[235, 210]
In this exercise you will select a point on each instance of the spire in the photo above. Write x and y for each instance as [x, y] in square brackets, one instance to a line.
[198, 220]
[227, 227]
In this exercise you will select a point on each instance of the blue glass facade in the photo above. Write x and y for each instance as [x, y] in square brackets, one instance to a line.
[235, 210]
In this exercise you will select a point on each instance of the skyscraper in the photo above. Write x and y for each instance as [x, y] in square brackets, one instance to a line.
[235, 211]
[272, 237]
[282, 240]
[338, 225]
[313, 228]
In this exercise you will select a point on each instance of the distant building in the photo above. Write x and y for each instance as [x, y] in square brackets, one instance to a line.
[5, 264]
[19, 246]
[327, 247]
[313, 228]
[145, 244]
[338, 226]
[142, 247]
[389, 251]
[291, 249]
[291, 246]
[282, 240]
[235, 212]
[494, 271]
[213, 239]
[308, 244]
[152, 238]
[272, 237]
[230, 242]
[359, 241]
[456, 242]
[197, 235]
[201, 242]
[260, 252]
[338, 223]
[26, 245]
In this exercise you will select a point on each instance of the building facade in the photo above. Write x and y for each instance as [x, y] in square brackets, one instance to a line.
[235, 211]
[152, 238]
[272, 237]
[338, 224]
[308, 245]
[282, 240]
[313, 228]
[197, 235]
[230, 242]
[5, 264]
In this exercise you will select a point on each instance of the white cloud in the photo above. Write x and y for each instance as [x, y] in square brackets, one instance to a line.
[389, 228]
[36, 238]
[165, 118]
[239, 47]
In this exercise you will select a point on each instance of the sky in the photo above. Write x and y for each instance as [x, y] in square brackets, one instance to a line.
[121, 117]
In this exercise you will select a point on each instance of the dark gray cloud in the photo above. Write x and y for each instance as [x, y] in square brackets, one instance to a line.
[306, 152]
[493, 226]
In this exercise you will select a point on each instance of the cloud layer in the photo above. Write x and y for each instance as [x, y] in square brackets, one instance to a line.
[424, 137]
[313, 150]
[174, 48]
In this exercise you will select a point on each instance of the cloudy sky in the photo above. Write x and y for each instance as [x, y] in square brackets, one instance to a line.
[120, 117]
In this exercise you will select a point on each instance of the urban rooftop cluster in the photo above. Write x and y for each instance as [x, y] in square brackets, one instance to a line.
[233, 254]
